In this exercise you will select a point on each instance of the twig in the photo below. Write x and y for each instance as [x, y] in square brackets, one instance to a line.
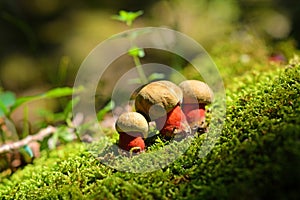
[39, 136]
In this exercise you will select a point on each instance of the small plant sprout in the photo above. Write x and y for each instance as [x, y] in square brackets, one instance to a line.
[160, 102]
[196, 95]
[134, 51]
[127, 17]
[132, 128]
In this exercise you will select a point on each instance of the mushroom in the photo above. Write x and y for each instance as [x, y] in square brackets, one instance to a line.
[132, 128]
[196, 95]
[160, 102]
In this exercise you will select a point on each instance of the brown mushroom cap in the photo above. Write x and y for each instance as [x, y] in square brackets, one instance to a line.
[132, 122]
[157, 99]
[195, 91]
[173, 88]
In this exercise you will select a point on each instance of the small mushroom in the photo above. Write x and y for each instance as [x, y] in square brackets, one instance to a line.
[132, 128]
[196, 95]
[160, 102]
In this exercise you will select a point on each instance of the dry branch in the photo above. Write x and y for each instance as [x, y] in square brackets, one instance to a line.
[37, 137]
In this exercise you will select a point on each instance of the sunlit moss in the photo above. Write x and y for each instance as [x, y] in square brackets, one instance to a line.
[256, 157]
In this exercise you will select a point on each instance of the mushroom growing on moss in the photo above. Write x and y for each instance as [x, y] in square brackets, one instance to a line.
[196, 95]
[132, 128]
[160, 102]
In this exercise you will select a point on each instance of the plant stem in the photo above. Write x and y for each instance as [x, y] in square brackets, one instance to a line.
[141, 73]
[2, 135]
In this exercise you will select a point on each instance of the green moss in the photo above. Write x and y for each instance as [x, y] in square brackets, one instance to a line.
[256, 157]
[245, 56]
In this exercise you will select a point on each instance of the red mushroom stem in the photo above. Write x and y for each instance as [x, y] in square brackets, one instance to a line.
[174, 123]
[127, 141]
[195, 113]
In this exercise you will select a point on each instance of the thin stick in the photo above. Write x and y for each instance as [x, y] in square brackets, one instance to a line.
[17, 145]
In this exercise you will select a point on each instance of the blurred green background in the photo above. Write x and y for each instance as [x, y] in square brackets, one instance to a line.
[43, 42]
[40, 36]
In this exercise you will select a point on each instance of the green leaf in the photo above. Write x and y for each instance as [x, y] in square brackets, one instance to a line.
[64, 134]
[7, 99]
[54, 93]
[123, 16]
[53, 141]
[108, 107]
[141, 53]
[155, 76]
[58, 92]
[3, 110]
[134, 81]
[70, 105]
[136, 52]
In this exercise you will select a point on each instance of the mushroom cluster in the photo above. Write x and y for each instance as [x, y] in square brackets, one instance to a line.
[160, 102]
[176, 110]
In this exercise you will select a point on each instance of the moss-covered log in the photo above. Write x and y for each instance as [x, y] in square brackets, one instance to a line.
[256, 157]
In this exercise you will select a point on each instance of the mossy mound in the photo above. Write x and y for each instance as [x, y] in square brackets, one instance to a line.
[256, 157]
